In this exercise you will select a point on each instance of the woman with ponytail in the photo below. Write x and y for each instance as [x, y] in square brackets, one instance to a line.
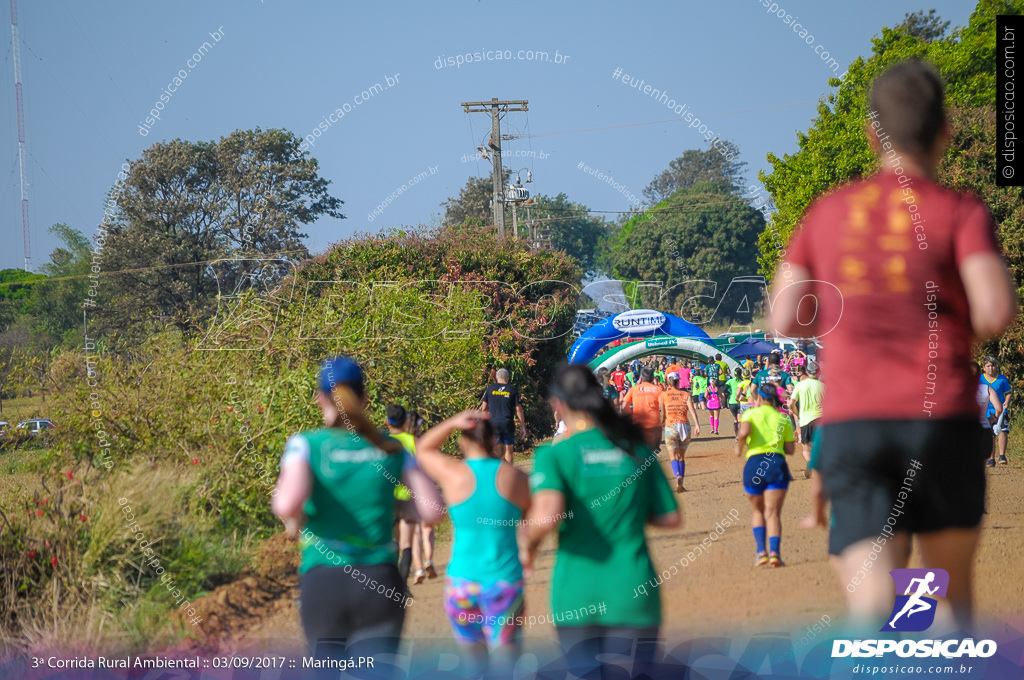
[598, 489]
[339, 481]
[766, 437]
[487, 498]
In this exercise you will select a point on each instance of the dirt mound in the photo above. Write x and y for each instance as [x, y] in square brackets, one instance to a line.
[252, 596]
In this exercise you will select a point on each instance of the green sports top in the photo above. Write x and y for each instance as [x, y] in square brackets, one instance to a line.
[734, 389]
[700, 383]
[769, 430]
[602, 552]
[351, 508]
[409, 444]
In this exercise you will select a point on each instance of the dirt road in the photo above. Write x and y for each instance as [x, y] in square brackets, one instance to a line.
[719, 592]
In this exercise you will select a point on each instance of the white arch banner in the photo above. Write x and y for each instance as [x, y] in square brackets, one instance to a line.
[689, 347]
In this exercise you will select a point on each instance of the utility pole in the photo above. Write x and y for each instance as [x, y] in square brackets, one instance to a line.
[495, 108]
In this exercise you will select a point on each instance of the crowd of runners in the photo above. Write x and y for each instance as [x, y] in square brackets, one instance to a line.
[856, 440]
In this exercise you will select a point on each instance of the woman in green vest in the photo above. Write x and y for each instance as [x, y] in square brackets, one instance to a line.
[339, 482]
[599, 489]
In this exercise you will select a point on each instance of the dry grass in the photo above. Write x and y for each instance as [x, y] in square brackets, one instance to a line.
[104, 598]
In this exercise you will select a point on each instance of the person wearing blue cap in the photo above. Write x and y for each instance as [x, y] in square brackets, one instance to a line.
[339, 481]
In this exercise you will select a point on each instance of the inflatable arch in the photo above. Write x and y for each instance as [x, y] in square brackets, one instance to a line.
[690, 348]
[635, 323]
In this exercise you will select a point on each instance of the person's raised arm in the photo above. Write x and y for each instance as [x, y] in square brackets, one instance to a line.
[437, 465]
[990, 294]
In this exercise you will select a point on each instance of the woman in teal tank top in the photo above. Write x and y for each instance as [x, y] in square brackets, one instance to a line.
[487, 498]
[339, 482]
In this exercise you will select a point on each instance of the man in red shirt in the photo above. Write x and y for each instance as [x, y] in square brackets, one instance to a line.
[907, 275]
[619, 378]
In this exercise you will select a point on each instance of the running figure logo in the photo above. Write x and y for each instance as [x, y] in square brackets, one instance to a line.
[914, 611]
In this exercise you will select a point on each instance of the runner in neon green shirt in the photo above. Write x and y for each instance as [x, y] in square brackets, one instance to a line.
[806, 406]
[733, 384]
[766, 437]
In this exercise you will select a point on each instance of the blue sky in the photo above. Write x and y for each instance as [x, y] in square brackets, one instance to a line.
[93, 70]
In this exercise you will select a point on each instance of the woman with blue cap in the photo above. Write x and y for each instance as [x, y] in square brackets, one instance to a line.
[339, 481]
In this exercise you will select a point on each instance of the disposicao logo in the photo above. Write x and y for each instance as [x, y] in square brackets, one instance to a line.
[914, 611]
[914, 607]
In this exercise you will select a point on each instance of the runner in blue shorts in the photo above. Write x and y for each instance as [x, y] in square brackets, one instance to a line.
[766, 437]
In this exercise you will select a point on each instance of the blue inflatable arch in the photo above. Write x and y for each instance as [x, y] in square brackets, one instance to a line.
[637, 323]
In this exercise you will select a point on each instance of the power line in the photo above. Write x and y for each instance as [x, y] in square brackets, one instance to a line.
[670, 120]
[145, 269]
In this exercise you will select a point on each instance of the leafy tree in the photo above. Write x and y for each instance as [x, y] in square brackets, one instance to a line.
[925, 27]
[835, 149]
[57, 303]
[696, 166]
[970, 165]
[17, 284]
[570, 226]
[183, 203]
[701, 233]
[473, 204]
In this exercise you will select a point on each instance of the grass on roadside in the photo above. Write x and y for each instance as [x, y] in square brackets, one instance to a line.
[22, 408]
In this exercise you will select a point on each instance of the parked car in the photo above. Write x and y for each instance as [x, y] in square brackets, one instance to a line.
[4, 426]
[36, 425]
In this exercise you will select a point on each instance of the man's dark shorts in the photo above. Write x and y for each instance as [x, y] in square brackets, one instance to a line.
[807, 432]
[864, 465]
[505, 434]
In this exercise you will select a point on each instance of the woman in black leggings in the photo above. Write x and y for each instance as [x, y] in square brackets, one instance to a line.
[339, 481]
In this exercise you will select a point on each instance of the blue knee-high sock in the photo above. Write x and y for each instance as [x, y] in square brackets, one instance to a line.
[675, 469]
[759, 533]
[773, 543]
[682, 468]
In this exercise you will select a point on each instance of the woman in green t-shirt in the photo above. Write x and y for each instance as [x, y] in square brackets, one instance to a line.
[607, 485]
[339, 481]
[766, 437]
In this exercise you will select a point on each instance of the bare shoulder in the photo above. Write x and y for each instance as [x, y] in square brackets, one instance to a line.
[512, 483]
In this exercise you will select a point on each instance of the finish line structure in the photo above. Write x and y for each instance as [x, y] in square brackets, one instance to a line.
[689, 348]
[668, 335]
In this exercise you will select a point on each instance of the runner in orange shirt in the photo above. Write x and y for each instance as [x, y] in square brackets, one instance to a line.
[674, 367]
[676, 409]
[642, 402]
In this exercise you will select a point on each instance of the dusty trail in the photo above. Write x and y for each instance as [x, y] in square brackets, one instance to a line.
[719, 592]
